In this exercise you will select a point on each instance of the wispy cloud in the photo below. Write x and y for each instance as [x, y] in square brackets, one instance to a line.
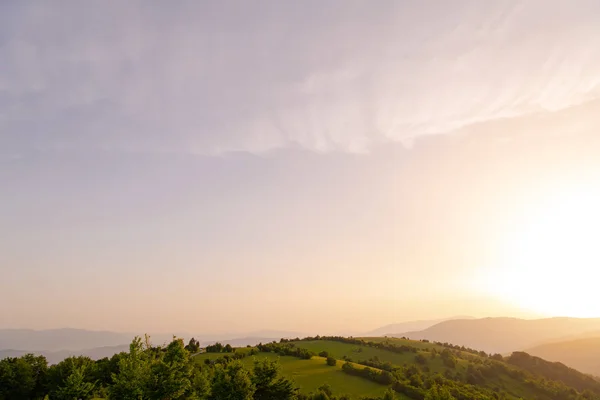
[336, 76]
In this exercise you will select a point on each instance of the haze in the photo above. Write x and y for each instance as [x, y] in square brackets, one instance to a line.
[314, 166]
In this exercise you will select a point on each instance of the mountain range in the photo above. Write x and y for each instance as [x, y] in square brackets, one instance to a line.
[572, 341]
[389, 330]
[58, 344]
[504, 335]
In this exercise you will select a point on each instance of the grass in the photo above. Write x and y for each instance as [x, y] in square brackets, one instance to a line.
[399, 342]
[358, 353]
[309, 375]
[338, 350]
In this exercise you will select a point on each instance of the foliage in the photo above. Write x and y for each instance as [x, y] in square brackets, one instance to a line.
[23, 377]
[193, 346]
[269, 385]
[232, 382]
[219, 348]
[134, 371]
[285, 349]
[396, 368]
[438, 393]
[75, 386]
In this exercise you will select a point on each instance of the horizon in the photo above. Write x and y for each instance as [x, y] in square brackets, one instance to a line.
[313, 167]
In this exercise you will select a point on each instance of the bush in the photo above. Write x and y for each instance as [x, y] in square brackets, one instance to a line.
[331, 361]
[420, 359]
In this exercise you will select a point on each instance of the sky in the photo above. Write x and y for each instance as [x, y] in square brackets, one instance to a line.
[316, 166]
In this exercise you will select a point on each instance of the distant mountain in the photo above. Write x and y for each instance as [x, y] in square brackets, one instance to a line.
[58, 344]
[243, 342]
[273, 334]
[407, 326]
[503, 335]
[582, 354]
[54, 357]
[60, 339]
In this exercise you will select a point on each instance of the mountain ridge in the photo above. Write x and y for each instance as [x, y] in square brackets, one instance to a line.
[503, 334]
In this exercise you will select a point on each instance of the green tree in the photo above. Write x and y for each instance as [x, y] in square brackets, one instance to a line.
[75, 386]
[438, 393]
[134, 371]
[193, 346]
[269, 385]
[59, 373]
[389, 395]
[214, 348]
[200, 384]
[171, 373]
[331, 361]
[23, 378]
[231, 382]
[326, 388]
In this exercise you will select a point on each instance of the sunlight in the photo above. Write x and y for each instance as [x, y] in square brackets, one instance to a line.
[551, 264]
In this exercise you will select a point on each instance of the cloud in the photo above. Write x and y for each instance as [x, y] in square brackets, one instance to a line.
[327, 76]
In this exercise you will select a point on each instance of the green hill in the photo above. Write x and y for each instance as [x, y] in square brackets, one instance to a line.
[415, 363]
[315, 368]
[369, 366]
[309, 375]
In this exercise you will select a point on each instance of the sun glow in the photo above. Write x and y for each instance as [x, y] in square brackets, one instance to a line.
[551, 263]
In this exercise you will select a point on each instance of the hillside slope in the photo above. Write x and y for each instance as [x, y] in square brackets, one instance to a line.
[503, 335]
[309, 375]
[413, 366]
[581, 354]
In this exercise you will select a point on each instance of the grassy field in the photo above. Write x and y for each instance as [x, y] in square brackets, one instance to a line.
[407, 342]
[358, 353]
[310, 374]
[490, 374]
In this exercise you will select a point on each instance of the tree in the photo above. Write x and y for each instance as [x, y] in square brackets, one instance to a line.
[193, 346]
[324, 354]
[59, 373]
[134, 371]
[269, 385]
[23, 378]
[420, 359]
[170, 374]
[75, 386]
[214, 348]
[389, 395]
[200, 384]
[231, 382]
[331, 361]
[438, 393]
[228, 348]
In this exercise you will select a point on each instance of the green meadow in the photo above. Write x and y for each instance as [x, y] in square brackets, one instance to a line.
[309, 375]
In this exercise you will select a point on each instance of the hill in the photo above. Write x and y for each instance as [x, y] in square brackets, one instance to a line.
[334, 368]
[469, 373]
[309, 375]
[503, 335]
[55, 357]
[581, 354]
[387, 330]
[52, 340]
